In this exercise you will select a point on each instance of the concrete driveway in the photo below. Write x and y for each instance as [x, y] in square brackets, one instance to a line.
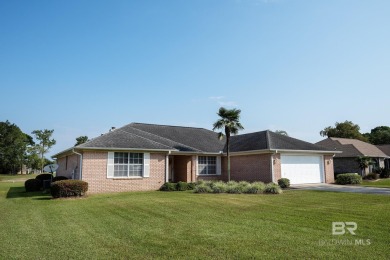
[341, 188]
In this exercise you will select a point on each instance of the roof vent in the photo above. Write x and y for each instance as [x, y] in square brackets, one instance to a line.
[112, 128]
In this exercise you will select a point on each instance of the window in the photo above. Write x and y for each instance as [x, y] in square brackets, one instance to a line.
[207, 165]
[128, 164]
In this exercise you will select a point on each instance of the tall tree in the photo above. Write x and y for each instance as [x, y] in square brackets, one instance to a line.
[229, 121]
[345, 129]
[81, 139]
[13, 145]
[379, 135]
[44, 143]
[281, 132]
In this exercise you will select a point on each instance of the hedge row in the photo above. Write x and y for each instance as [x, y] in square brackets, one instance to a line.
[226, 187]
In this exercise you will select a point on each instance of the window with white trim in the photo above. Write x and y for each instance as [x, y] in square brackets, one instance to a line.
[207, 165]
[128, 164]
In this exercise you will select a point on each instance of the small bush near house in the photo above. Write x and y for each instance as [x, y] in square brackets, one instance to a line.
[191, 185]
[182, 186]
[385, 173]
[168, 186]
[68, 188]
[234, 187]
[33, 185]
[255, 188]
[284, 183]
[272, 188]
[348, 178]
[371, 176]
[59, 178]
[219, 187]
[44, 177]
[202, 188]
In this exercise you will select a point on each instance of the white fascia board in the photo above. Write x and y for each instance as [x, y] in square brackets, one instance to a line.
[265, 151]
[195, 153]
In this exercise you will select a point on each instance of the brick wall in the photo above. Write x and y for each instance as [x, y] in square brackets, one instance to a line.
[67, 168]
[329, 169]
[251, 168]
[95, 173]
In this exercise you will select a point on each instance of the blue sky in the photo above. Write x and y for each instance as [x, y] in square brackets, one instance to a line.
[80, 67]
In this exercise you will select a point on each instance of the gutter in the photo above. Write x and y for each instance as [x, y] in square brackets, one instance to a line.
[81, 163]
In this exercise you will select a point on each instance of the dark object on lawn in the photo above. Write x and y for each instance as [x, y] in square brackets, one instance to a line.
[59, 178]
[33, 185]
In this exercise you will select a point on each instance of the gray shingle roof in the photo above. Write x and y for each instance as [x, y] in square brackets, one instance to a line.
[268, 140]
[148, 136]
[384, 148]
[351, 147]
[190, 139]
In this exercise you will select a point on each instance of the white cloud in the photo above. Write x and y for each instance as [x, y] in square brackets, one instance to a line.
[222, 101]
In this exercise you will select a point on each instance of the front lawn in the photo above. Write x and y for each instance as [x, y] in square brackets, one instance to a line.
[16, 177]
[381, 183]
[148, 225]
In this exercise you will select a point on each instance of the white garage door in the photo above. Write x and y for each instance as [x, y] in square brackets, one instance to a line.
[302, 169]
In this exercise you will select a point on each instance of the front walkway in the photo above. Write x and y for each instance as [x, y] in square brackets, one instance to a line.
[341, 188]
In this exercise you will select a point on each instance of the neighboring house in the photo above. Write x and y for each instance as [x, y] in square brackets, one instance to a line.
[346, 162]
[386, 149]
[144, 156]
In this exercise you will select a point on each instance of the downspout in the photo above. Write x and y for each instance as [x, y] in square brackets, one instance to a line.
[272, 166]
[81, 163]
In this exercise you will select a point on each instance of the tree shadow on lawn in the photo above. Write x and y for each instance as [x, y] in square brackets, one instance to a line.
[20, 192]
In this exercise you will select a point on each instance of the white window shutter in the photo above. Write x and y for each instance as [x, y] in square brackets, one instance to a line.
[110, 165]
[218, 165]
[146, 165]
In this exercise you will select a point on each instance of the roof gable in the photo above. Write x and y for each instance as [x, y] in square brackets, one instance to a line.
[352, 147]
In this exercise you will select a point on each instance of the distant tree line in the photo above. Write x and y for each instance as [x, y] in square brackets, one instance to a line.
[347, 129]
[18, 149]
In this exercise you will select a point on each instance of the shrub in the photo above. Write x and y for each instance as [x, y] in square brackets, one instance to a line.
[371, 176]
[284, 183]
[191, 185]
[33, 185]
[272, 188]
[68, 188]
[182, 186]
[234, 187]
[59, 178]
[202, 188]
[255, 188]
[348, 178]
[44, 177]
[385, 173]
[168, 186]
[219, 187]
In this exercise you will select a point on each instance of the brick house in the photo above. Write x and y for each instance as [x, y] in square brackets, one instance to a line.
[139, 157]
[351, 149]
[385, 148]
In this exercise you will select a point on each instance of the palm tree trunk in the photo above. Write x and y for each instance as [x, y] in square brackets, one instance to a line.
[228, 156]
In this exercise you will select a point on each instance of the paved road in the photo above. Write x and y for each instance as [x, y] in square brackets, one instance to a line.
[342, 188]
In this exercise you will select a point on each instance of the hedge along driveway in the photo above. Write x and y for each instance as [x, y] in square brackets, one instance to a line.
[342, 188]
[150, 225]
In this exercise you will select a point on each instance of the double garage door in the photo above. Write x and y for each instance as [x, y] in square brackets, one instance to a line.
[302, 168]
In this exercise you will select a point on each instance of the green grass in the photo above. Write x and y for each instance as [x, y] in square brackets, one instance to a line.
[382, 183]
[16, 177]
[148, 225]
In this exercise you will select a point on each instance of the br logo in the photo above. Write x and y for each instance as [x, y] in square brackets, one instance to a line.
[338, 228]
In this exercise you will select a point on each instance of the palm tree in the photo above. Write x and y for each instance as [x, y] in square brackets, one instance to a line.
[230, 122]
[364, 162]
